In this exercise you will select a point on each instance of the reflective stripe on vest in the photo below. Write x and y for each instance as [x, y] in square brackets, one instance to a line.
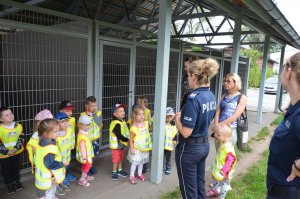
[170, 132]
[220, 162]
[31, 146]
[113, 140]
[142, 139]
[9, 138]
[64, 145]
[95, 131]
[43, 176]
[72, 130]
[88, 146]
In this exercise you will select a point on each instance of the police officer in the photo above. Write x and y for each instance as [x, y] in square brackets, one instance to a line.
[283, 171]
[192, 123]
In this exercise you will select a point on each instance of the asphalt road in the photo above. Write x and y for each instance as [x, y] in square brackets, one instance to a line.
[268, 100]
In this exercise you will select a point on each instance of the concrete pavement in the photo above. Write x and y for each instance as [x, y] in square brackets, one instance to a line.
[104, 188]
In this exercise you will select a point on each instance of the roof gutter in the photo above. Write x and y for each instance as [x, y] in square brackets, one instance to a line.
[272, 9]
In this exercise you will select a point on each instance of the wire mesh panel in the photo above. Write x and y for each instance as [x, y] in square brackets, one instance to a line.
[38, 71]
[116, 78]
[173, 80]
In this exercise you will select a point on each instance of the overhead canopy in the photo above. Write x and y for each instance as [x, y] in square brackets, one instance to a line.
[207, 19]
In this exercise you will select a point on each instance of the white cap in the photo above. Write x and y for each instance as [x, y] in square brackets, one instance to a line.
[84, 119]
[169, 111]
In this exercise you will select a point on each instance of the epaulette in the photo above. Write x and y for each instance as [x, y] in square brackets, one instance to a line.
[193, 95]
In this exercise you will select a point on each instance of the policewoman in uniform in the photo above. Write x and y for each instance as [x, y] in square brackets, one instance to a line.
[283, 171]
[193, 123]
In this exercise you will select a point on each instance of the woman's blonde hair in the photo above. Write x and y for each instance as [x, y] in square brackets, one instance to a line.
[237, 79]
[204, 69]
[135, 111]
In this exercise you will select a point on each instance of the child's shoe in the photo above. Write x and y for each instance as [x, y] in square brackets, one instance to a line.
[114, 176]
[65, 187]
[89, 178]
[60, 191]
[141, 177]
[168, 171]
[93, 170]
[11, 189]
[70, 177]
[212, 193]
[18, 186]
[122, 173]
[132, 180]
[66, 182]
[83, 182]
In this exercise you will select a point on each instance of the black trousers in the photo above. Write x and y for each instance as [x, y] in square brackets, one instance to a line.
[167, 154]
[283, 192]
[10, 168]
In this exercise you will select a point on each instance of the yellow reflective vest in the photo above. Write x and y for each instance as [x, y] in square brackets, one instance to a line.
[31, 147]
[170, 133]
[64, 145]
[88, 147]
[43, 175]
[113, 140]
[9, 138]
[219, 163]
[71, 126]
[142, 140]
[95, 131]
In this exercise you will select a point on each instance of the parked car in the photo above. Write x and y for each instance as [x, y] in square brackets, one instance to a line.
[271, 85]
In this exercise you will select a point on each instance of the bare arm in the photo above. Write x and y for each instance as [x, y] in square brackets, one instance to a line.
[184, 131]
[239, 110]
[131, 144]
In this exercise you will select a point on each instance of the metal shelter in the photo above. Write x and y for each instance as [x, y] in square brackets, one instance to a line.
[52, 50]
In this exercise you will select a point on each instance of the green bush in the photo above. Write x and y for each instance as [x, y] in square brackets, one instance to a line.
[255, 76]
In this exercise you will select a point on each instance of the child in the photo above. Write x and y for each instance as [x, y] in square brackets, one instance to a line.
[63, 141]
[84, 150]
[118, 139]
[95, 130]
[170, 133]
[34, 140]
[140, 143]
[225, 161]
[49, 166]
[143, 102]
[11, 145]
[67, 108]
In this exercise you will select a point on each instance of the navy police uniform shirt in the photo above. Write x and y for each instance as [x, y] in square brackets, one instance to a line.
[199, 111]
[285, 148]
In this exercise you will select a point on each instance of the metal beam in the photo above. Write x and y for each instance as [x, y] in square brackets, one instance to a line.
[262, 80]
[13, 10]
[174, 18]
[236, 46]
[161, 87]
[126, 10]
[185, 21]
[213, 34]
[99, 6]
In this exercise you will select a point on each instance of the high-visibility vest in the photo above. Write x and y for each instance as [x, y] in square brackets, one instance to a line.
[147, 114]
[88, 146]
[170, 132]
[43, 175]
[113, 140]
[220, 162]
[9, 138]
[71, 126]
[142, 140]
[64, 145]
[95, 131]
[31, 147]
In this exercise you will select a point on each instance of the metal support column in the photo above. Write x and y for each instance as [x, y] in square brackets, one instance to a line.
[262, 79]
[132, 75]
[179, 76]
[276, 110]
[161, 87]
[236, 45]
[90, 61]
[220, 79]
[96, 58]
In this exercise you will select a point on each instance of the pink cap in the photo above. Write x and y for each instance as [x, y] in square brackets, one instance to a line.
[44, 114]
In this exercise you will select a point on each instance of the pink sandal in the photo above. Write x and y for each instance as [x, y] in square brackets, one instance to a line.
[132, 180]
[89, 178]
[141, 177]
[83, 182]
[212, 193]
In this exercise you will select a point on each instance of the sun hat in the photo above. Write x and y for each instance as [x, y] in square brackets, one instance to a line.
[170, 111]
[84, 119]
[44, 114]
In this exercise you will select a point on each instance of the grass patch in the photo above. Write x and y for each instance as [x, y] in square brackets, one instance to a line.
[277, 120]
[253, 184]
[262, 134]
[172, 195]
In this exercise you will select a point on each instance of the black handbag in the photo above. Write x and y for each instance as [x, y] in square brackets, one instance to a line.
[242, 128]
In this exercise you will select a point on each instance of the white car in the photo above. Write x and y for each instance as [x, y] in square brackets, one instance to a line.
[271, 85]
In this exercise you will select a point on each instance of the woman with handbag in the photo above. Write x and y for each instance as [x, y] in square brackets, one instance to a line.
[283, 173]
[232, 105]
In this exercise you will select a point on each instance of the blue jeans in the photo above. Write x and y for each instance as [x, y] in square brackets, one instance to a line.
[190, 156]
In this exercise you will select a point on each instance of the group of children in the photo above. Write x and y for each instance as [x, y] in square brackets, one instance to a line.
[49, 148]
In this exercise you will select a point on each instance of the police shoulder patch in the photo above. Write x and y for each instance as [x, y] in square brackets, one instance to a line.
[193, 94]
